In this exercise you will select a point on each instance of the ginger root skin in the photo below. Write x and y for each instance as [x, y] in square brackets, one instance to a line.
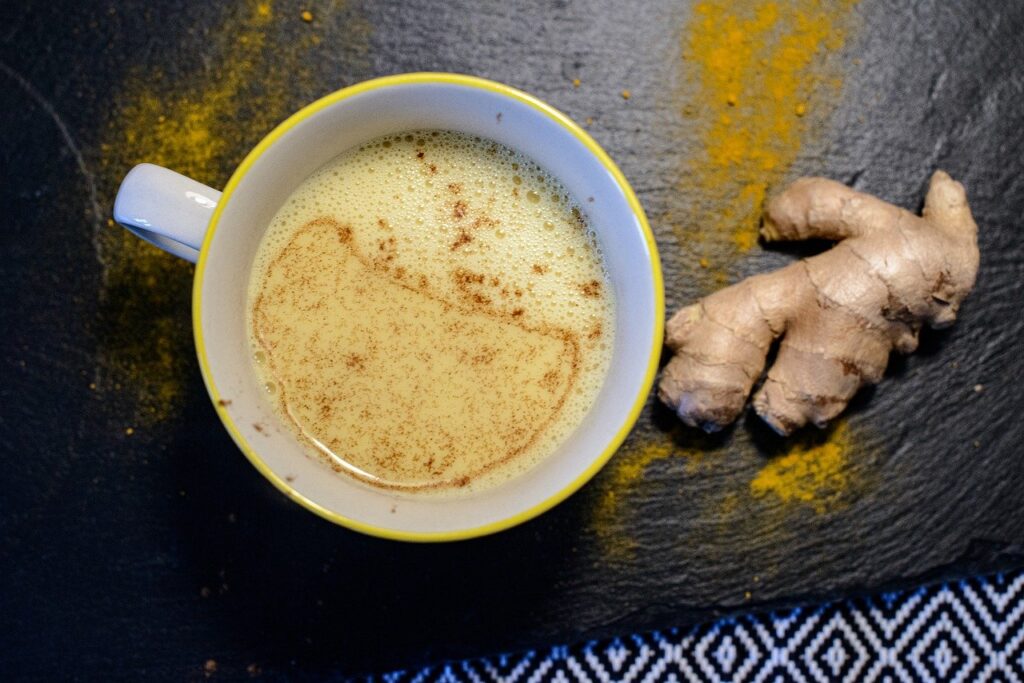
[839, 313]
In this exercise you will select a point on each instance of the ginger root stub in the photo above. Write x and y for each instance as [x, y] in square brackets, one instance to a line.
[839, 313]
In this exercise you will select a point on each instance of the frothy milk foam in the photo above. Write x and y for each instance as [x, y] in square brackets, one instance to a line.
[430, 313]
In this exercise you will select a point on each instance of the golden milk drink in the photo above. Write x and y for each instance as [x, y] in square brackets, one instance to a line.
[429, 313]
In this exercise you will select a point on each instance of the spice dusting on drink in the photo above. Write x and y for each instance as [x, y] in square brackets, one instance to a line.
[428, 328]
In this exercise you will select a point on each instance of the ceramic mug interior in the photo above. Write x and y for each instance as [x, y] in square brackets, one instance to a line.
[316, 135]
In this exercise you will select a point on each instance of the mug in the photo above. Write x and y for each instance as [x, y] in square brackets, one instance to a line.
[221, 232]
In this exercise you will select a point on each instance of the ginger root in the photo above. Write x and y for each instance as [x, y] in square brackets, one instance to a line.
[839, 313]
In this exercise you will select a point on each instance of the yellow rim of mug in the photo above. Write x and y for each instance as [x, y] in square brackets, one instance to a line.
[579, 134]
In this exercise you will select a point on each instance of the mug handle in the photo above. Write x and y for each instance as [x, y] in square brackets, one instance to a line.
[166, 209]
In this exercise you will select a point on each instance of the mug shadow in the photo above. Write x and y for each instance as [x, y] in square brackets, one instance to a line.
[292, 587]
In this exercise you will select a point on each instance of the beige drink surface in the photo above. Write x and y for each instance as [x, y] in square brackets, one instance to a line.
[430, 312]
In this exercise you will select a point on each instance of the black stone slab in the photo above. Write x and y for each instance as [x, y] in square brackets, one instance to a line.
[143, 555]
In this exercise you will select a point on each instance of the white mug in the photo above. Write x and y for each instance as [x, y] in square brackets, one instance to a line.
[221, 233]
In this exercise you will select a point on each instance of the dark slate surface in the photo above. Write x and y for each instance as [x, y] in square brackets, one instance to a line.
[124, 556]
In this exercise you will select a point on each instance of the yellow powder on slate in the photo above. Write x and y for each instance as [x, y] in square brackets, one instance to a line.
[197, 123]
[813, 472]
[200, 121]
[634, 463]
[625, 470]
[758, 86]
[624, 474]
[729, 505]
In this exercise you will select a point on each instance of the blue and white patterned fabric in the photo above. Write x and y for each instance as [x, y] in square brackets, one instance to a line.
[972, 630]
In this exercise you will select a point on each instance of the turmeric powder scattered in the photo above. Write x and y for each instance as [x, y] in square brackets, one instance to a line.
[625, 470]
[189, 122]
[771, 57]
[752, 65]
[816, 473]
